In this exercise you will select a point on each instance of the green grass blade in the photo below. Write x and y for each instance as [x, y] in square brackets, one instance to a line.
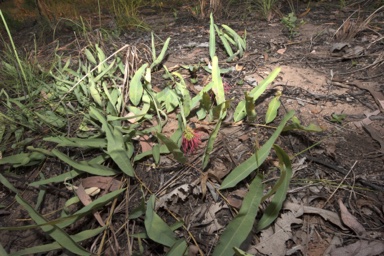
[274, 207]
[55, 232]
[157, 229]
[84, 235]
[212, 39]
[238, 229]
[244, 169]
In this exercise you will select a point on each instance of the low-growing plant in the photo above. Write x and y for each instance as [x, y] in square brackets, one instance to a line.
[266, 7]
[291, 22]
[116, 106]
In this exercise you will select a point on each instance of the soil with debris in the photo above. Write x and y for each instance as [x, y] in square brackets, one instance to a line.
[332, 76]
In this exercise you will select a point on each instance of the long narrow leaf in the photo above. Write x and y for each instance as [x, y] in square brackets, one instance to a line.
[212, 39]
[217, 87]
[118, 153]
[136, 86]
[238, 229]
[84, 235]
[240, 111]
[92, 169]
[160, 58]
[274, 207]
[76, 142]
[179, 248]
[273, 107]
[157, 229]
[172, 147]
[53, 231]
[244, 169]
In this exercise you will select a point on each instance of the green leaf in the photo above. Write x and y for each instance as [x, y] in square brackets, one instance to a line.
[172, 147]
[274, 207]
[136, 86]
[7, 184]
[56, 179]
[217, 87]
[238, 229]
[254, 161]
[212, 137]
[51, 118]
[273, 107]
[85, 167]
[23, 159]
[235, 36]
[76, 142]
[117, 151]
[239, 252]
[175, 137]
[157, 229]
[212, 39]
[90, 56]
[53, 231]
[79, 237]
[2, 251]
[250, 108]
[179, 248]
[240, 111]
[95, 92]
[296, 125]
[160, 58]
[156, 153]
[90, 208]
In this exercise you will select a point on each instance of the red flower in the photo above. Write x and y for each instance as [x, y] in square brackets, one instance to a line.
[191, 140]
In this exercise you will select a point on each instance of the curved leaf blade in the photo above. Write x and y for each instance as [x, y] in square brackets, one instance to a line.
[136, 86]
[254, 161]
[157, 229]
[275, 205]
[273, 107]
[238, 229]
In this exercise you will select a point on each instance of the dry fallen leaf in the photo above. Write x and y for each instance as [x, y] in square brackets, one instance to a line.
[86, 199]
[350, 221]
[327, 215]
[360, 248]
[273, 239]
[281, 51]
